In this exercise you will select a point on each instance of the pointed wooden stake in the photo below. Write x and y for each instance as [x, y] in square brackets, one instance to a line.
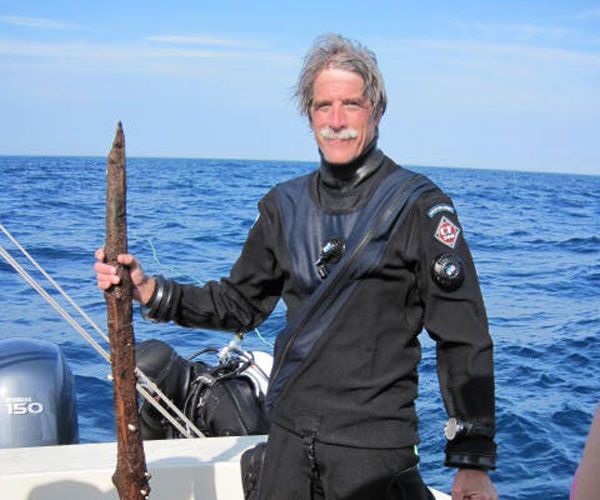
[130, 477]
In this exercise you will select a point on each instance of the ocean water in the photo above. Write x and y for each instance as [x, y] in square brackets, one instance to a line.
[535, 238]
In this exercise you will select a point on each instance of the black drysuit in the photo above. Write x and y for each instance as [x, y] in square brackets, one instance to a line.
[357, 389]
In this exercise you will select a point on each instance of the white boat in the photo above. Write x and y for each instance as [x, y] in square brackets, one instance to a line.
[182, 469]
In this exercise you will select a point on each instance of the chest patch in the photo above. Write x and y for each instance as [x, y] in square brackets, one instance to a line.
[447, 232]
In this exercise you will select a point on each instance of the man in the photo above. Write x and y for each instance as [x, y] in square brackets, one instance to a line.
[343, 425]
[586, 482]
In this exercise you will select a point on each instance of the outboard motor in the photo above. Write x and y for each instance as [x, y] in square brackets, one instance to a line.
[37, 395]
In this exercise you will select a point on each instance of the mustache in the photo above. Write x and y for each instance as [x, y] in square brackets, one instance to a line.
[344, 134]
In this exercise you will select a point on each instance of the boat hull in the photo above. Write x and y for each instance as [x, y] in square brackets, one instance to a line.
[182, 469]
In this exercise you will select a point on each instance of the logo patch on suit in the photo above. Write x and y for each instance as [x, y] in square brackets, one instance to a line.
[436, 209]
[447, 232]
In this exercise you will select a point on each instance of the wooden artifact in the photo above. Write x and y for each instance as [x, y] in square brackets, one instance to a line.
[131, 477]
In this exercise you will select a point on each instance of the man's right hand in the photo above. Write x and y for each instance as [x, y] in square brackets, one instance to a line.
[143, 286]
[471, 484]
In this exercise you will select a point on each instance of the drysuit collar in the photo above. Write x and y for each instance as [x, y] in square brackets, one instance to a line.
[349, 175]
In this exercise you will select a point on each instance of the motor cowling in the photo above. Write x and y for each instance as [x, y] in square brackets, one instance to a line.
[37, 395]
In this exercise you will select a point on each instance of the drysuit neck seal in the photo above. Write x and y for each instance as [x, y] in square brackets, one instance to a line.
[349, 175]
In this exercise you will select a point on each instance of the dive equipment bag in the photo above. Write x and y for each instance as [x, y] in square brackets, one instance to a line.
[220, 400]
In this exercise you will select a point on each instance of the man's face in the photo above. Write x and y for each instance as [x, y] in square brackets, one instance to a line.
[341, 116]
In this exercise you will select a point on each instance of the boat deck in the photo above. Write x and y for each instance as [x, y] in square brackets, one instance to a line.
[185, 469]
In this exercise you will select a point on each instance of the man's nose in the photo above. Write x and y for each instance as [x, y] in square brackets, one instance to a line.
[337, 120]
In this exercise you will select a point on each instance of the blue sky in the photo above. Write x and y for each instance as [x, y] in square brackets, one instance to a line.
[498, 84]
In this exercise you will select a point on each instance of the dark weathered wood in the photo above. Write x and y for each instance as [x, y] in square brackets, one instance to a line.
[130, 477]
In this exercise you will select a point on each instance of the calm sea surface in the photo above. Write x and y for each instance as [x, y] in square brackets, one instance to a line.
[535, 238]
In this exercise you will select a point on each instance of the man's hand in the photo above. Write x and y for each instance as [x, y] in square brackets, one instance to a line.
[143, 287]
[471, 484]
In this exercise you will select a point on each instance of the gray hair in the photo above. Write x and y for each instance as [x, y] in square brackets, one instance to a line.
[336, 51]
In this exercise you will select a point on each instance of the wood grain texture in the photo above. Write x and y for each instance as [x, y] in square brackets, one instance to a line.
[130, 477]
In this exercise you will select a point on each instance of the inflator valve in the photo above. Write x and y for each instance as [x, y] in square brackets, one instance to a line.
[331, 253]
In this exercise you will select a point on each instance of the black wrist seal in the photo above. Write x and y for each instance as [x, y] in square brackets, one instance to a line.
[157, 308]
[471, 453]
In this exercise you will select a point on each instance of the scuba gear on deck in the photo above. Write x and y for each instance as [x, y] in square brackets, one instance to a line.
[221, 400]
[172, 374]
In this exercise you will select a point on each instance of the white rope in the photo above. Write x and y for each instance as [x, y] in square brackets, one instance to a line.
[54, 284]
[69, 319]
[38, 288]
[148, 397]
[189, 424]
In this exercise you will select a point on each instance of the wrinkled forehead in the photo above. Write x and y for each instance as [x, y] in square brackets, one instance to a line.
[333, 84]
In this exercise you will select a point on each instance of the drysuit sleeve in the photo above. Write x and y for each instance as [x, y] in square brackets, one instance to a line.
[455, 317]
[248, 295]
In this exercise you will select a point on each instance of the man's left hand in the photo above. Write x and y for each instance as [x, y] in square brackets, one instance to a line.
[471, 484]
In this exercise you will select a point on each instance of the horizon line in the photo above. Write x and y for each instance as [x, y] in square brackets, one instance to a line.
[314, 162]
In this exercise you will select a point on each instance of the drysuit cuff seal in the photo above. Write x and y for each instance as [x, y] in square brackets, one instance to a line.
[157, 308]
[471, 452]
[469, 461]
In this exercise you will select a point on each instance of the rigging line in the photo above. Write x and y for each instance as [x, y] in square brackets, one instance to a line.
[69, 319]
[54, 284]
[38, 288]
[189, 424]
[161, 409]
